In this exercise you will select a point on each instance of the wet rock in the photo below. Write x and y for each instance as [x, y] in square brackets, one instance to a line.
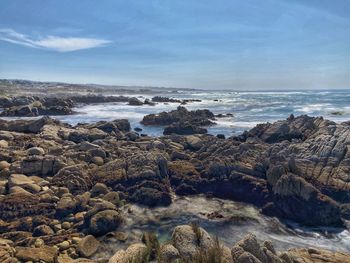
[221, 136]
[165, 99]
[345, 211]
[135, 102]
[88, 246]
[132, 136]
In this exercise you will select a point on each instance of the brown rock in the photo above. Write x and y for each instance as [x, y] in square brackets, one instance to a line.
[88, 246]
[44, 253]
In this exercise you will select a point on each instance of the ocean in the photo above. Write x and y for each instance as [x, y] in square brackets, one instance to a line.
[248, 108]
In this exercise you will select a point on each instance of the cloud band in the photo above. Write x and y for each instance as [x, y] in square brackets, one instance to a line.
[56, 43]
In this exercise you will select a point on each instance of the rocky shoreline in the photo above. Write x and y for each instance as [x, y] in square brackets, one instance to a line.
[63, 186]
[33, 106]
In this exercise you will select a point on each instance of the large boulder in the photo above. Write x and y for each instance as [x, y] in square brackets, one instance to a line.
[189, 240]
[36, 151]
[135, 102]
[181, 114]
[168, 253]
[250, 250]
[76, 178]
[47, 165]
[299, 200]
[27, 126]
[105, 221]
[88, 246]
[41, 254]
[134, 253]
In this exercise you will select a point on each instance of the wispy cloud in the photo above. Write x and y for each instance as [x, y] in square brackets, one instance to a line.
[56, 43]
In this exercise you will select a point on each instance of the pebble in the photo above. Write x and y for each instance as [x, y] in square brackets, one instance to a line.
[39, 242]
[4, 144]
[76, 240]
[4, 165]
[63, 245]
[57, 227]
[35, 151]
[66, 225]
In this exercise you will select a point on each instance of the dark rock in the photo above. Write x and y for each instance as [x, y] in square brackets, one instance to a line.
[42, 230]
[183, 129]
[220, 136]
[105, 221]
[148, 102]
[135, 102]
[151, 197]
[75, 178]
[165, 99]
[181, 114]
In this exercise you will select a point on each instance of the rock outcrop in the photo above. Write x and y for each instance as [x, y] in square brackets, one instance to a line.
[181, 121]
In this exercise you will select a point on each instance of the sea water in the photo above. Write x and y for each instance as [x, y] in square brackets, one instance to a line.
[248, 108]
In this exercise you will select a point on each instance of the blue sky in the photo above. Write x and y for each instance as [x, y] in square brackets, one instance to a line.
[222, 44]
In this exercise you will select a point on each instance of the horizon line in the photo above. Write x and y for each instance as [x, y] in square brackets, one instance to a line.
[171, 88]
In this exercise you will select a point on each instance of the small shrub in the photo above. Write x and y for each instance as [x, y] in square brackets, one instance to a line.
[151, 241]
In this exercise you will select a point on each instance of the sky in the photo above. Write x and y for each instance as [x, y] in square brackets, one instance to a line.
[221, 44]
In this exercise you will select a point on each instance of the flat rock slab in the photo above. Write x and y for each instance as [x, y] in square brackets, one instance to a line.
[45, 253]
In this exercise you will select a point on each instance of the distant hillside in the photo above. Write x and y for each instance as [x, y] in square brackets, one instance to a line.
[28, 87]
